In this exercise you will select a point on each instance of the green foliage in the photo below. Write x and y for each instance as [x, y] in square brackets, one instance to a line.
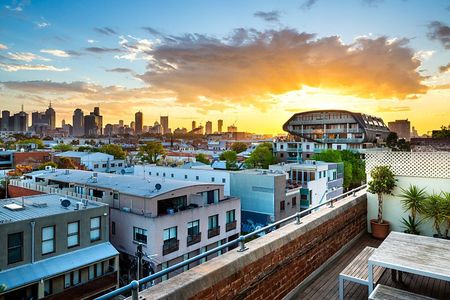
[66, 163]
[114, 150]
[202, 158]
[50, 163]
[443, 133]
[328, 156]
[261, 157]
[446, 207]
[396, 144]
[150, 151]
[230, 159]
[411, 225]
[383, 182]
[36, 141]
[238, 147]
[63, 147]
[434, 209]
[87, 149]
[412, 199]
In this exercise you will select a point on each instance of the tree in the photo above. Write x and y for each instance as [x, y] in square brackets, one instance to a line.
[434, 210]
[328, 156]
[202, 158]
[413, 200]
[151, 151]
[230, 159]
[391, 139]
[261, 157]
[443, 133]
[446, 205]
[50, 163]
[63, 147]
[36, 141]
[383, 182]
[114, 150]
[238, 147]
[66, 163]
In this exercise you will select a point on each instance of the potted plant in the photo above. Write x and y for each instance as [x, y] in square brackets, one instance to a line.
[434, 210]
[446, 204]
[412, 200]
[383, 182]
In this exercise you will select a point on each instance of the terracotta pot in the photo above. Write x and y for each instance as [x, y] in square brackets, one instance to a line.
[379, 230]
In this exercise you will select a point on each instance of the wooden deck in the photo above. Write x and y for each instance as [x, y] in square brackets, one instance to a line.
[325, 286]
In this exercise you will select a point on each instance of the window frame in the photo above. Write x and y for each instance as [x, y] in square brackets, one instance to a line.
[93, 229]
[213, 217]
[9, 248]
[77, 234]
[46, 240]
[228, 214]
[143, 233]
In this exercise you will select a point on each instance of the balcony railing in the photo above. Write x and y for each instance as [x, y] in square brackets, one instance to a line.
[230, 226]
[134, 285]
[213, 232]
[194, 239]
[170, 246]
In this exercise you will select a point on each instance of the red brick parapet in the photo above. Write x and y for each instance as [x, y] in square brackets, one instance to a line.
[15, 191]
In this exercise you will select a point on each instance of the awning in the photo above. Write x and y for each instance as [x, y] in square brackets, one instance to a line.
[50, 267]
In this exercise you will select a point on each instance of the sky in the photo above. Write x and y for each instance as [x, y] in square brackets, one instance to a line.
[251, 63]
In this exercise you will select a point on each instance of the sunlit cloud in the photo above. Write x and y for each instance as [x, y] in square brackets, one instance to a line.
[423, 55]
[393, 109]
[26, 56]
[17, 8]
[56, 52]
[27, 67]
[90, 41]
[441, 32]
[3, 47]
[444, 69]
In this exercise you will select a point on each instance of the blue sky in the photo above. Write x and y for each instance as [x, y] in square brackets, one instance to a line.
[74, 26]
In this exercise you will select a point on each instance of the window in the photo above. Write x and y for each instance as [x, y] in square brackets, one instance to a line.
[120, 164]
[113, 165]
[103, 165]
[193, 227]
[15, 247]
[196, 177]
[170, 233]
[185, 176]
[48, 287]
[164, 174]
[281, 155]
[76, 277]
[95, 229]
[223, 180]
[73, 234]
[91, 272]
[281, 147]
[157, 173]
[212, 179]
[48, 240]
[113, 227]
[95, 270]
[294, 201]
[95, 166]
[213, 222]
[281, 205]
[171, 175]
[307, 147]
[231, 216]
[140, 235]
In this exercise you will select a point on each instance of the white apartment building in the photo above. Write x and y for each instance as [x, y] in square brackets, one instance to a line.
[94, 161]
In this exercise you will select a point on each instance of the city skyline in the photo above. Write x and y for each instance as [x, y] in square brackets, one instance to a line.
[266, 61]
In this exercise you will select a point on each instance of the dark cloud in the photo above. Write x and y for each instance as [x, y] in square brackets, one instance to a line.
[120, 70]
[105, 30]
[270, 16]
[73, 53]
[441, 32]
[47, 86]
[308, 4]
[445, 68]
[151, 30]
[101, 49]
[251, 66]
[393, 108]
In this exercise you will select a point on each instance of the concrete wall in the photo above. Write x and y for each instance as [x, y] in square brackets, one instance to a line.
[275, 263]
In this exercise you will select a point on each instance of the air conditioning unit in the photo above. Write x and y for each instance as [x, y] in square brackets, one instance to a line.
[79, 206]
[67, 172]
[48, 168]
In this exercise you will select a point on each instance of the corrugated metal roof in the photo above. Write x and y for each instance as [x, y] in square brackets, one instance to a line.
[50, 267]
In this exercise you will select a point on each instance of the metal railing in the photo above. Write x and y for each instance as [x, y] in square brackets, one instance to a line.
[135, 284]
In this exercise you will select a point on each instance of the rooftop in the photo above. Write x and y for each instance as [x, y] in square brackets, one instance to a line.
[127, 184]
[11, 210]
[82, 154]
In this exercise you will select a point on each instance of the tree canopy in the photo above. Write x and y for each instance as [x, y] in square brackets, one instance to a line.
[261, 157]
[443, 133]
[151, 151]
[238, 147]
[202, 158]
[36, 141]
[63, 147]
[114, 150]
[230, 159]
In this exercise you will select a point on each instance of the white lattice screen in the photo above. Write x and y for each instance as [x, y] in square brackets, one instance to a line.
[416, 164]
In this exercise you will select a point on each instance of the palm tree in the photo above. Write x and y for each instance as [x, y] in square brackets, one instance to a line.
[434, 210]
[446, 204]
[413, 199]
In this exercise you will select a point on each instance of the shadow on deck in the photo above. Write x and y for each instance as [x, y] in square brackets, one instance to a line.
[325, 286]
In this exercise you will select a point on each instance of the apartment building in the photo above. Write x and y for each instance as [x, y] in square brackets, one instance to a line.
[55, 247]
[94, 161]
[338, 129]
[172, 219]
[293, 151]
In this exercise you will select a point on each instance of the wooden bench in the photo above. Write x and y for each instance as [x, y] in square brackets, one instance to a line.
[383, 292]
[358, 271]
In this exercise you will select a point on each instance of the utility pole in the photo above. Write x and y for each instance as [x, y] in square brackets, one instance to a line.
[139, 255]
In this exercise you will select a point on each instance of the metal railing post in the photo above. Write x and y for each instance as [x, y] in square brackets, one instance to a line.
[331, 204]
[297, 219]
[134, 290]
[242, 246]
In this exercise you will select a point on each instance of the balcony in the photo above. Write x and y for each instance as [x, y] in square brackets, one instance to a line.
[335, 183]
[170, 246]
[230, 226]
[193, 239]
[213, 232]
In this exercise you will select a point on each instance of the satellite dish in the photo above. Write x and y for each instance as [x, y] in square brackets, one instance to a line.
[65, 203]
[158, 186]
[122, 171]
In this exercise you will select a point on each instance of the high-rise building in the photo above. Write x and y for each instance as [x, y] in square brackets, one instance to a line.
[5, 120]
[78, 122]
[138, 120]
[402, 128]
[232, 128]
[208, 127]
[39, 122]
[20, 121]
[219, 126]
[164, 121]
[97, 111]
[121, 123]
[93, 123]
[50, 116]
[194, 125]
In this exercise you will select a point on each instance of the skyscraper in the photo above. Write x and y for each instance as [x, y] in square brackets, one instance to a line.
[219, 126]
[208, 127]
[50, 116]
[194, 125]
[164, 121]
[20, 121]
[78, 122]
[402, 128]
[138, 120]
[5, 120]
[93, 123]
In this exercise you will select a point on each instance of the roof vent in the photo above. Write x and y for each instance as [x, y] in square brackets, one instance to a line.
[67, 172]
[14, 207]
[40, 204]
[158, 186]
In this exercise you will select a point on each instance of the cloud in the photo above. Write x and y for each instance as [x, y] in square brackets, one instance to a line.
[101, 50]
[105, 30]
[441, 87]
[18, 8]
[393, 109]
[43, 24]
[56, 52]
[47, 86]
[3, 47]
[441, 32]
[28, 67]
[308, 4]
[135, 48]
[120, 70]
[92, 41]
[26, 56]
[270, 16]
[444, 69]
[251, 66]
[151, 31]
[423, 55]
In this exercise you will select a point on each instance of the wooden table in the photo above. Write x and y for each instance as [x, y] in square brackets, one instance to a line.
[414, 254]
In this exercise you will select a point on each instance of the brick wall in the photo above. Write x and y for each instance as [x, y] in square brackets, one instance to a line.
[15, 191]
[34, 159]
[274, 264]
